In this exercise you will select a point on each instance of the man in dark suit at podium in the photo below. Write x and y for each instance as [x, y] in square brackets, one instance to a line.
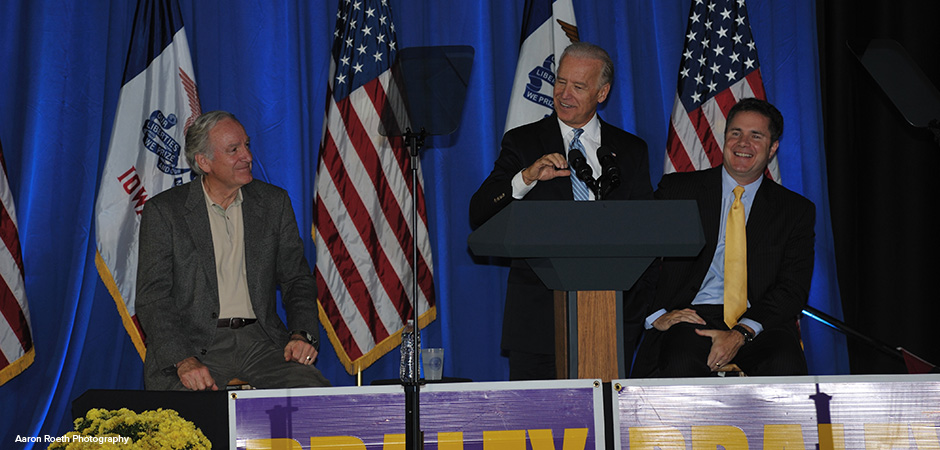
[688, 331]
[532, 165]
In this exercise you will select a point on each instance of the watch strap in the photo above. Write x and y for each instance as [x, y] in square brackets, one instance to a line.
[308, 337]
[748, 336]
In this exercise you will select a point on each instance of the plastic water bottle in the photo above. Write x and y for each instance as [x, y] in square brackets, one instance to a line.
[408, 370]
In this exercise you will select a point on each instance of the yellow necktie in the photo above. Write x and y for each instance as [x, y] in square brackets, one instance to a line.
[735, 261]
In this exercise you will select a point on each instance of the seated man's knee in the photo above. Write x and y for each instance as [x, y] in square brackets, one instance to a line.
[787, 362]
[683, 353]
[776, 353]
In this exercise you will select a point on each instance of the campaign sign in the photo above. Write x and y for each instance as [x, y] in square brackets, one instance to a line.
[776, 413]
[539, 415]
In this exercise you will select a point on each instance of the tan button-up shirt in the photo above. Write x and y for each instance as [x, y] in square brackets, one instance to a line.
[228, 241]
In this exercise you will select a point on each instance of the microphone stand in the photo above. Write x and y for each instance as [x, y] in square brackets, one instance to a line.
[414, 438]
[432, 85]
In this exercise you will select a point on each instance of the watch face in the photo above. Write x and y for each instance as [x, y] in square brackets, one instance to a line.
[303, 334]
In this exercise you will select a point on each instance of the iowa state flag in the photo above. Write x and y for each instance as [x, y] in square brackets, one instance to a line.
[157, 104]
[547, 28]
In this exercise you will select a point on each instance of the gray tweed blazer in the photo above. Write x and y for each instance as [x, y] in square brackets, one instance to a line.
[177, 290]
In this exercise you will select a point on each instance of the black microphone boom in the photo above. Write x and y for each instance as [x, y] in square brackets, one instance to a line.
[581, 169]
[610, 171]
[609, 167]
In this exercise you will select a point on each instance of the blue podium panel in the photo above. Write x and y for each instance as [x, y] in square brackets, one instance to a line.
[541, 415]
[826, 413]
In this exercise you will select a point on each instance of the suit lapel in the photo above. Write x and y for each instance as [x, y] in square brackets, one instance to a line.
[253, 217]
[606, 140]
[711, 206]
[762, 215]
[550, 141]
[617, 147]
[550, 137]
[197, 219]
[707, 192]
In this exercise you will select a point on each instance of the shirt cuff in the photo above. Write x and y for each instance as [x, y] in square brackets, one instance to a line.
[519, 188]
[756, 326]
[652, 318]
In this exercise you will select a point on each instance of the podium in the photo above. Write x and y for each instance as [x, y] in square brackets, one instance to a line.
[589, 253]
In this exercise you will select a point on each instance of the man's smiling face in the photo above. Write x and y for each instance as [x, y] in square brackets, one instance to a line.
[578, 90]
[748, 147]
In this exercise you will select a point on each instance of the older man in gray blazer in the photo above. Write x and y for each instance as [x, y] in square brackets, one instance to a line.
[212, 254]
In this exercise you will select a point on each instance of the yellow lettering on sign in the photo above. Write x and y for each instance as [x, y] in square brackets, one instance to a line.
[831, 436]
[880, 436]
[336, 443]
[504, 440]
[393, 442]
[575, 439]
[711, 436]
[450, 441]
[650, 438]
[895, 435]
[272, 444]
[783, 437]
[541, 439]
[925, 435]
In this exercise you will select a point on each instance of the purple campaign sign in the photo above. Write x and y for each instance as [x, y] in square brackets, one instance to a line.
[813, 412]
[540, 415]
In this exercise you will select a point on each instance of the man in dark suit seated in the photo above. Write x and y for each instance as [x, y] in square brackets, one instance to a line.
[693, 326]
[532, 165]
[212, 255]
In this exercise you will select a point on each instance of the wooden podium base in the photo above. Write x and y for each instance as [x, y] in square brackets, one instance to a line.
[588, 335]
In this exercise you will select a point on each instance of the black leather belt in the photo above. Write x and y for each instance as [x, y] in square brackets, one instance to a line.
[235, 322]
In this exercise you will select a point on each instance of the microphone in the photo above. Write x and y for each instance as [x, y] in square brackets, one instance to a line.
[580, 167]
[610, 171]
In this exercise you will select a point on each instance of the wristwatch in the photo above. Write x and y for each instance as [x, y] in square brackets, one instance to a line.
[748, 336]
[308, 337]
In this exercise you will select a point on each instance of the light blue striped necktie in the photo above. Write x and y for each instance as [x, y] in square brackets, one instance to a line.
[578, 188]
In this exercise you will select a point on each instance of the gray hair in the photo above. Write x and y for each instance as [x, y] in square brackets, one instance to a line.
[197, 137]
[588, 50]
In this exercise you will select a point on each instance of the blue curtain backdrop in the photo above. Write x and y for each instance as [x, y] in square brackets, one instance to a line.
[267, 62]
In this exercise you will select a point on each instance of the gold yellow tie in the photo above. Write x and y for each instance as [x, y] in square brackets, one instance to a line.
[735, 261]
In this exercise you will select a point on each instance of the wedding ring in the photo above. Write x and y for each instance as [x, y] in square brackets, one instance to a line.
[308, 358]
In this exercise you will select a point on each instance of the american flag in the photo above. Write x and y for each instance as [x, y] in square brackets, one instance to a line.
[363, 205]
[719, 67]
[16, 341]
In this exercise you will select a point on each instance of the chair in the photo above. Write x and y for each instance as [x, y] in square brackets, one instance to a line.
[730, 370]
[236, 383]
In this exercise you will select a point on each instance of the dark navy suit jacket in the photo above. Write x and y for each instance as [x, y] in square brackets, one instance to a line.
[780, 254]
[528, 322]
